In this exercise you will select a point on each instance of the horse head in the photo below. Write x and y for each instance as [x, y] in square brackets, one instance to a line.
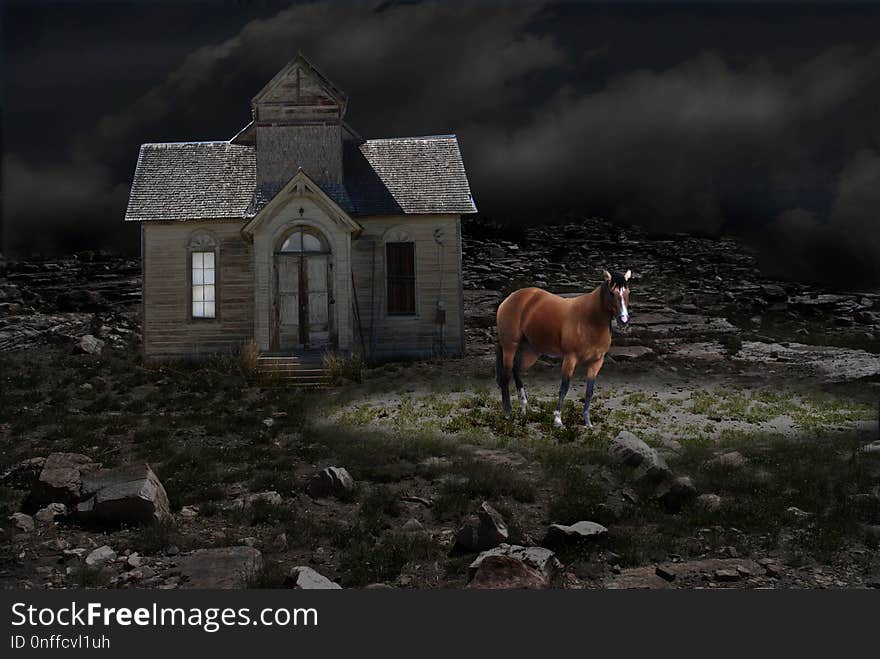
[617, 297]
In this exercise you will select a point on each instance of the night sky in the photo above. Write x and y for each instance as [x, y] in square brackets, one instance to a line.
[752, 120]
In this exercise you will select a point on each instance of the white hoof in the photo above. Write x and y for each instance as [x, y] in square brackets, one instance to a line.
[523, 402]
[557, 419]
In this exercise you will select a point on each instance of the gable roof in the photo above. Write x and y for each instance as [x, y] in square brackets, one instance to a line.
[302, 63]
[210, 180]
[192, 180]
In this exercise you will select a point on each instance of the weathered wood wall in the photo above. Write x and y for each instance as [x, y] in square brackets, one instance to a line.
[418, 335]
[169, 331]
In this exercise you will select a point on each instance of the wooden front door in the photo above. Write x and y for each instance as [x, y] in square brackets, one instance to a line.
[302, 305]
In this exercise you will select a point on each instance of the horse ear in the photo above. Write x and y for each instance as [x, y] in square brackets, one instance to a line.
[627, 275]
[606, 276]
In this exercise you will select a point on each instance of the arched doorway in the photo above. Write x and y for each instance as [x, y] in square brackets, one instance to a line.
[303, 290]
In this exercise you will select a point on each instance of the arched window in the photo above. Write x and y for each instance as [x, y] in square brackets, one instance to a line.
[400, 272]
[304, 240]
[203, 275]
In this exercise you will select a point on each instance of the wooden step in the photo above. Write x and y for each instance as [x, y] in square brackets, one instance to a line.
[304, 371]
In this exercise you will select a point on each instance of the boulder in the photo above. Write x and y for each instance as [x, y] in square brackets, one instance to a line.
[22, 522]
[505, 572]
[332, 481]
[60, 479]
[101, 556]
[673, 494]
[539, 558]
[627, 449]
[483, 530]
[223, 567]
[413, 525]
[271, 497]
[560, 533]
[303, 577]
[708, 502]
[125, 494]
[48, 514]
[90, 345]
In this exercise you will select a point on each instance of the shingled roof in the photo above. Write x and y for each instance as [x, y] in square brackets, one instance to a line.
[208, 180]
[192, 180]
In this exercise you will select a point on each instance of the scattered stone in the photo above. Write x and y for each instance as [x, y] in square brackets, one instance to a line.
[303, 577]
[101, 556]
[61, 478]
[539, 558]
[708, 502]
[726, 575]
[585, 530]
[271, 497]
[774, 292]
[269, 422]
[505, 572]
[331, 481]
[48, 514]
[131, 493]
[795, 514]
[224, 567]
[483, 530]
[22, 522]
[189, 512]
[665, 573]
[90, 345]
[675, 493]
[134, 560]
[628, 353]
[627, 449]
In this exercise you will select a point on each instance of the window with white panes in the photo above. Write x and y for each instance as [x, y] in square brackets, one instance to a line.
[203, 287]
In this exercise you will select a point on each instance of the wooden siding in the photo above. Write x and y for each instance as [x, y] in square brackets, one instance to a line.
[282, 149]
[168, 329]
[416, 335]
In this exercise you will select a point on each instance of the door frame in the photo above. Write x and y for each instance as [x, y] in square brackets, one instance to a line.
[303, 282]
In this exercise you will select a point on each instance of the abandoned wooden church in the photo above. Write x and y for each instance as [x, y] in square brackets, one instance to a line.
[300, 235]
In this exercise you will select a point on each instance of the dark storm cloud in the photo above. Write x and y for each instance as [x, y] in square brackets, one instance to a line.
[638, 118]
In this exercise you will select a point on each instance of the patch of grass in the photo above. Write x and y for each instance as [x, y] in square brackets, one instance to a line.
[478, 478]
[578, 495]
[269, 575]
[190, 476]
[342, 368]
[365, 558]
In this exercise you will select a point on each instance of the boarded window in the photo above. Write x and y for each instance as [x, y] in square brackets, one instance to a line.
[401, 261]
[203, 300]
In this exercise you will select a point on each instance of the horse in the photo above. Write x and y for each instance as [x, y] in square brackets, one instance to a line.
[534, 322]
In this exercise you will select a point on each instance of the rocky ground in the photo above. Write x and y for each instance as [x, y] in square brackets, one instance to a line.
[735, 440]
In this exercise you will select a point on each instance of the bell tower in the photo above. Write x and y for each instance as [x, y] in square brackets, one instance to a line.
[298, 124]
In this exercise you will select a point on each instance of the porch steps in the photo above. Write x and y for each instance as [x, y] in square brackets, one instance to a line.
[294, 370]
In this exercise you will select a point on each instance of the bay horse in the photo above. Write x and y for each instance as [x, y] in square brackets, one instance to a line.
[533, 322]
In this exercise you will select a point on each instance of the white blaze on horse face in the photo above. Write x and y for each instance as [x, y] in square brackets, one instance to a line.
[624, 314]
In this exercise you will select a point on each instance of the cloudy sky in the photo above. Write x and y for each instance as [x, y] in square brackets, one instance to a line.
[754, 120]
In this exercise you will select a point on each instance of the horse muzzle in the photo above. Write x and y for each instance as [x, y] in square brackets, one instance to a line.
[623, 322]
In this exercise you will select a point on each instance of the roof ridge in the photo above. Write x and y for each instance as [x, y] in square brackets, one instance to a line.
[414, 137]
[191, 143]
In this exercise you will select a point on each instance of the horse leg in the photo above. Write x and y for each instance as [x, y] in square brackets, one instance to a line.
[524, 360]
[568, 365]
[592, 373]
[503, 366]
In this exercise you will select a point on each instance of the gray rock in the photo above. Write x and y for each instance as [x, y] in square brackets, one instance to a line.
[773, 292]
[727, 575]
[627, 353]
[125, 494]
[48, 514]
[303, 577]
[585, 530]
[708, 502]
[541, 559]
[484, 530]
[271, 497]
[22, 522]
[627, 449]
[90, 345]
[223, 567]
[331, 481]
[873, 447]
[101, 556]
[733, 460]
[673, 494]
[665, 573]
[795, 514]
[506, 572]
[61, 478]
